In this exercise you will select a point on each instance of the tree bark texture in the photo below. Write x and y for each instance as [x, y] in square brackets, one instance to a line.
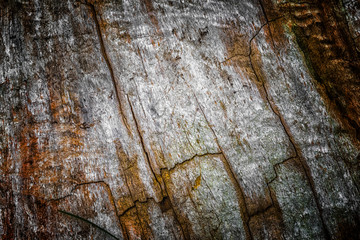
[184, 119]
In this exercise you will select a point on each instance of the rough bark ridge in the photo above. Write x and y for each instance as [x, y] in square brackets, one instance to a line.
[144, 119]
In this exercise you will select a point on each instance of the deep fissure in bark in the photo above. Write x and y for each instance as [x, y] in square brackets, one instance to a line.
[286, 128]
[239, 191]
[108, 63]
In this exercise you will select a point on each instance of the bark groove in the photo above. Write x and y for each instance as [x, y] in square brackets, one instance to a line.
[158, 119]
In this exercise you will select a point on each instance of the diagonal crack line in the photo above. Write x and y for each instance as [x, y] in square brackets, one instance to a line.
[260, 29]
[163, 190]
[268, 183]
[251, 39]
[288, 132]
[147, 157]
[116, 88]
[134, 206]
[108, 63]
[189, 160]
[244, 212]
[117, 91]
[264, 210]
[278, 164]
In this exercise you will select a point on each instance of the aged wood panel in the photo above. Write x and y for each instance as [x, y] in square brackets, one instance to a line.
[156, 119]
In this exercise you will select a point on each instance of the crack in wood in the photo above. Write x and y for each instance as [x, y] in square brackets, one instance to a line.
[124, 119]
[142, 142]
[251, 39]
[278, 164]
[287, 131]
[108, 63]
[189, 160]
[239, 191]
[163, 190]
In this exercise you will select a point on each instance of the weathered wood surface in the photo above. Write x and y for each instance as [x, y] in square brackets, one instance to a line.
[156, 119]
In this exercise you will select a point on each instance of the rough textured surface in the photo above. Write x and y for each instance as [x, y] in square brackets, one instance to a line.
[157, 119]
